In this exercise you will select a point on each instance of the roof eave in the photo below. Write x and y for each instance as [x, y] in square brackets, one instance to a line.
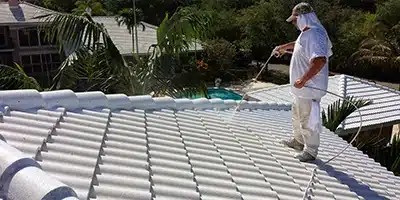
[346, 132]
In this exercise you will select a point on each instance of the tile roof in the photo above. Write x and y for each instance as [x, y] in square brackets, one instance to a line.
[96, 146]
[385, 107]
[21, 14]
[123, 39]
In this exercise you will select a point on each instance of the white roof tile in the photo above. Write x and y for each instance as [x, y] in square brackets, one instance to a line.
[97, 146]
[385, 107]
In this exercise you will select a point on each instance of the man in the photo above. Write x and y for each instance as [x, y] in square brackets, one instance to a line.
[308, 66]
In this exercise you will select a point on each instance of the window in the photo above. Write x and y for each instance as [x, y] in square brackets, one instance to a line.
[40, 62]
[3, 36]
[44, 40]
[6, 58]
[28, 37]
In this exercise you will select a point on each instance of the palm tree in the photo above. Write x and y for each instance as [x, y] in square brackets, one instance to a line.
[82, 39]
[377, 56]
[78, 35]
[15, 78]
[95, 6]
[131, 18]
[176, 36]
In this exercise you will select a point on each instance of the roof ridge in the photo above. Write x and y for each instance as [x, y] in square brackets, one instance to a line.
[30, 99]
[39, 7]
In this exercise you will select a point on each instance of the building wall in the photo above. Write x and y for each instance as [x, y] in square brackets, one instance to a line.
[29, 49]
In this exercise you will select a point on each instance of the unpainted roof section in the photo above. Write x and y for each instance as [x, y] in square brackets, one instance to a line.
[385, 109]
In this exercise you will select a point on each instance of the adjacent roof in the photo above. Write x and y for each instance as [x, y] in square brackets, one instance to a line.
[119, 147]
[22, 14]
[121, 37]
[385, 107]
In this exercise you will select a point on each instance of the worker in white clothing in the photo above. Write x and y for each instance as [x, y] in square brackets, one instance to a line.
[308, 66]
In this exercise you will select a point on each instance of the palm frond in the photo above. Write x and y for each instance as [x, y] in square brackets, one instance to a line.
[16, 78]
[339, 110]
[87, 69]
[183, 29]
[71, 32]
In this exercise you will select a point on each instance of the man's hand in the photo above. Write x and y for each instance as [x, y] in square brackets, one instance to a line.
[299, 83]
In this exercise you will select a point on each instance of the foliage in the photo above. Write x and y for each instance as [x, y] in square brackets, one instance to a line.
[73, 32]
[170, 69]
[386, 154]
[339, 110]
[154, 11]
[351, 34]
[95, 6]
[15, 78]
[263, 27]
[219, 54]
[58, 5]
[388, 13]
[179, 32]
[377, 56]
[126, 17]
[86, 70]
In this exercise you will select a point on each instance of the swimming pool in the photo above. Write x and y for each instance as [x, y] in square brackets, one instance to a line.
[219, 93]
[222, 93]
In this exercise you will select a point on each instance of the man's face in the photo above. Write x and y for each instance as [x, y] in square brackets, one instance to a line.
[294, 21]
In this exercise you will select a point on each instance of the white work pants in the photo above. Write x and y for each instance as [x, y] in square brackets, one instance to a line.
[307, 123]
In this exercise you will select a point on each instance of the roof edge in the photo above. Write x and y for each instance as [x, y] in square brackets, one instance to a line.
[32, 99]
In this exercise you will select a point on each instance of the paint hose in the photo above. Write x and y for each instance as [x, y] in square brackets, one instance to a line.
[308, 191]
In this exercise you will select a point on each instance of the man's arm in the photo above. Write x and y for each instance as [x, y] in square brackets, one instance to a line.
[287, 46]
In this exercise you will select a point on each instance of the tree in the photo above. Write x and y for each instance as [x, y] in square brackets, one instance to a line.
[263, 27]
[377, 56]
[94, 62]
[58, 5]
[95, 6]
[349, 36]
[219, 55]
[131, 19]
[76, 36]
[170, 69]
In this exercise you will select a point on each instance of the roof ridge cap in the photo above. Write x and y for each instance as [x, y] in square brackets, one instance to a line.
[96, 99]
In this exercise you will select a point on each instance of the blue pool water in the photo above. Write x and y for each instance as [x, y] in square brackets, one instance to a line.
[223, 94]
[219, 93]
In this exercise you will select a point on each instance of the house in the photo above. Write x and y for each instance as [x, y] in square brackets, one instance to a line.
[66, 145]
[20, 40]
[22, 43]
[377, 118]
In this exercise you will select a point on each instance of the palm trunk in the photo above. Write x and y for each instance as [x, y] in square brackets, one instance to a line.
[133, 41]
[135, 23]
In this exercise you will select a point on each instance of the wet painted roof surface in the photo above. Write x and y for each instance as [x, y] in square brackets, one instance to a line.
[97, 146]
